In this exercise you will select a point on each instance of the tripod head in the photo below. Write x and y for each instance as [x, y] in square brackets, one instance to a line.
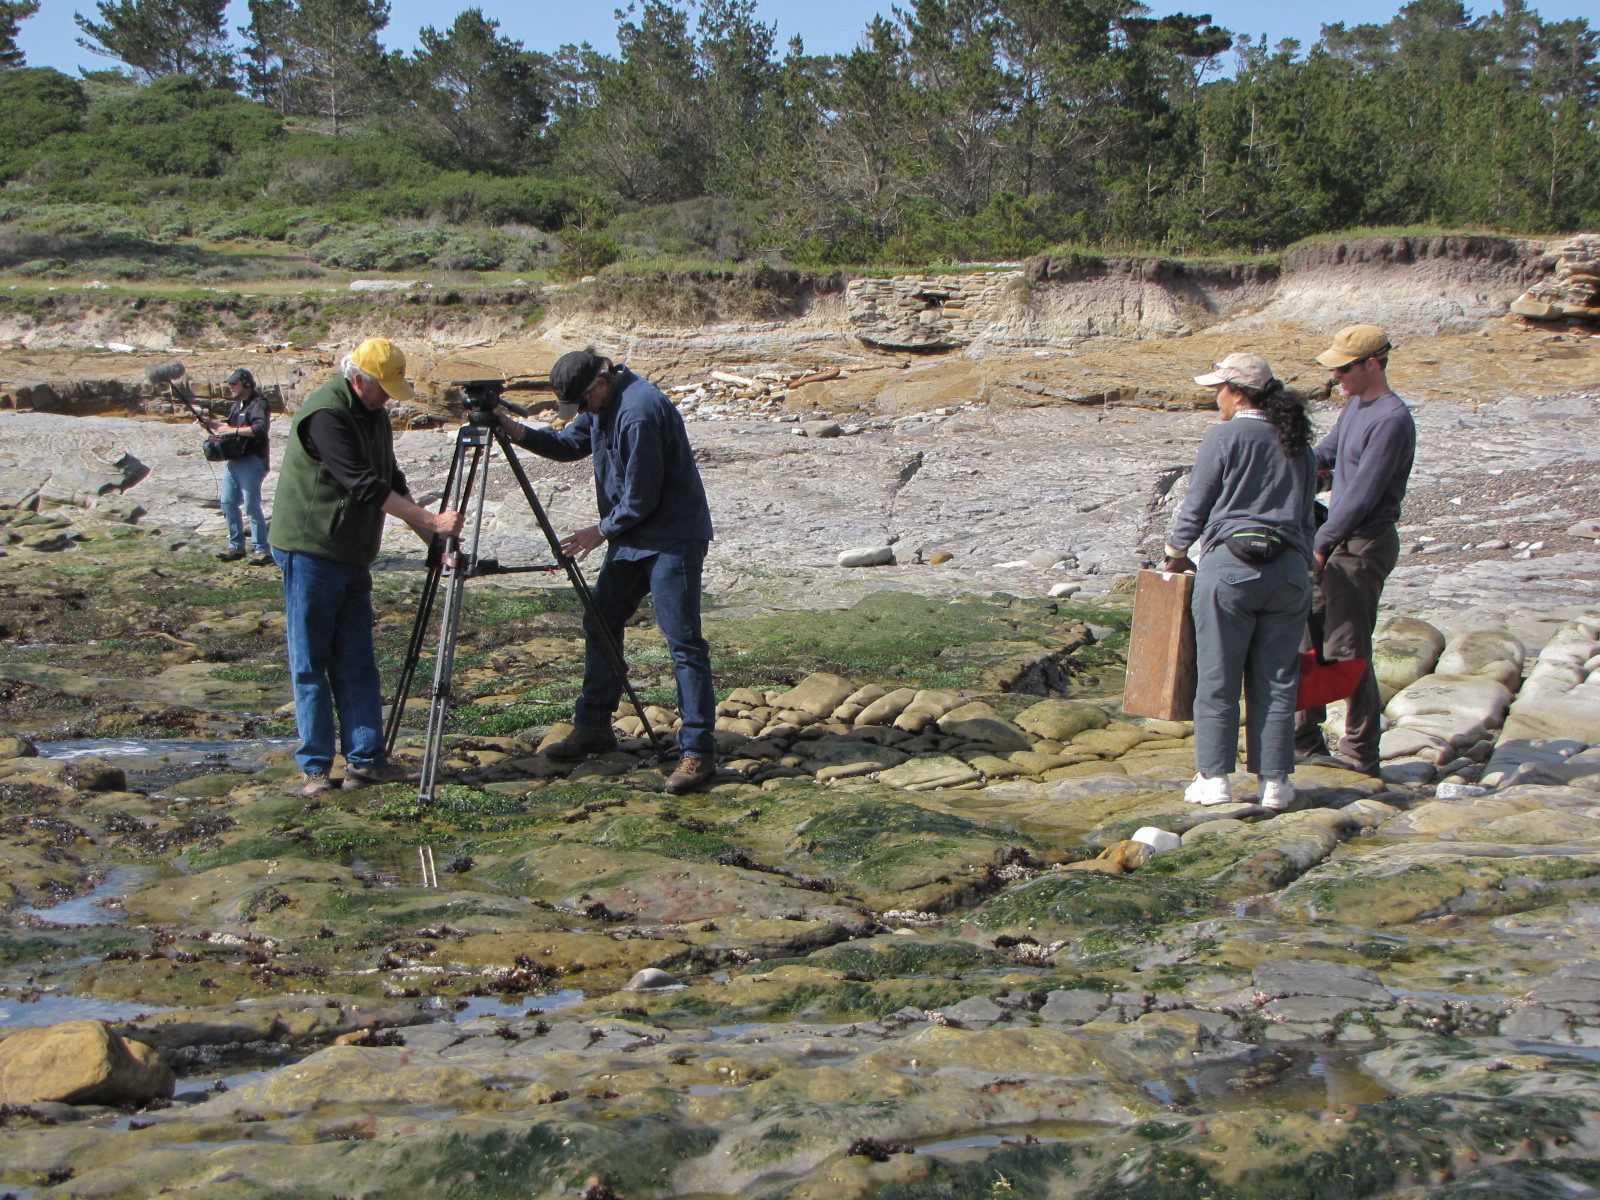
[480, 397]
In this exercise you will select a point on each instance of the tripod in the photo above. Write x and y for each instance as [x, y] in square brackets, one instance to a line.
[466, 485]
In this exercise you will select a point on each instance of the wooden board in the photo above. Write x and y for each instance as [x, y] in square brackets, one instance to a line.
[1161, 670]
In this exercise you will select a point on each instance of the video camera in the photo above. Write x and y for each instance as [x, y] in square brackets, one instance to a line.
[480, 397]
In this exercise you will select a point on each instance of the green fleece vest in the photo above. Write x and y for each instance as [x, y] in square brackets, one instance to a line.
[312, 511]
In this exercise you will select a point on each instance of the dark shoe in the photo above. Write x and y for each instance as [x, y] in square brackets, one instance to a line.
[360, 777]
[230, 554]
[261, 558]
[1340, 762]
[312, 784]
[692, 773]
[581, 743]
[1307, 749]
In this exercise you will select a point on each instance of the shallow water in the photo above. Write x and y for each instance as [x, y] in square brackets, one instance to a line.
[1304, 1084]
[92, 907]
[53, 1009]
[475, 1008]
[1555, 1050]
[156, 762]
[1037, 1134]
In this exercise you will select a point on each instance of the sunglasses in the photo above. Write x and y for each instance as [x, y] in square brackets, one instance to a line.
[1351, 366]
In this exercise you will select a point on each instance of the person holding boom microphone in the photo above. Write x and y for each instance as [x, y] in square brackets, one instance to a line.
[656, 526]
[242, 477]
[338, 481]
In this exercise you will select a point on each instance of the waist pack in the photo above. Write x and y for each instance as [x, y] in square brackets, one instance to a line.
[221, 449]
[1255, 546]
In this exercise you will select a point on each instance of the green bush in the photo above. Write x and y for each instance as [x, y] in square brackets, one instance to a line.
[585, 251]
[722, 229]
[461, 198]
[385, 248]
[39, 104]
[178, 126]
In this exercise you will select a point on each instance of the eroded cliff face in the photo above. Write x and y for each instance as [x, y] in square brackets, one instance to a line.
[1415, 286]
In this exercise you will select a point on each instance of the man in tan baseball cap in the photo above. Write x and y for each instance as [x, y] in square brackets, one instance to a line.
[1370, 451]
[1354, 343]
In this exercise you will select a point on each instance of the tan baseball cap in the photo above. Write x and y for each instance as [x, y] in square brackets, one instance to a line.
[1250, 370]
[1354, 342]
[383, 360]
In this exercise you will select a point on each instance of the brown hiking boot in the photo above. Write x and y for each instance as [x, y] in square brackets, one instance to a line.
[378, 773]
[691, 774]
[581, 743]
[315, 783]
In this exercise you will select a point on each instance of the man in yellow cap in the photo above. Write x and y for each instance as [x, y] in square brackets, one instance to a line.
[338, 481]
[1370, 450]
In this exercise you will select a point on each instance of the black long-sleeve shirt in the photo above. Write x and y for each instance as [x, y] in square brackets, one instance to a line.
[335, 446]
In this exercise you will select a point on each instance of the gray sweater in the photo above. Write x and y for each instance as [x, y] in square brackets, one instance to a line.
[1243, 480]
[1370, 449]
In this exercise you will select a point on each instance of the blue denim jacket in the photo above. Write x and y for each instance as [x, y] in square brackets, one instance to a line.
[646, 483]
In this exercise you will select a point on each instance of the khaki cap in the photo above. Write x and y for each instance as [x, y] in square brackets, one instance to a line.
[383, 360]
[1354, 342]
[1250, 370]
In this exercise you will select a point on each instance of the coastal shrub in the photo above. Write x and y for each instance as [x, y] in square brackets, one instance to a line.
[177, 126]
[384, 248]
[462, 197]
[719, 228]
[39, 104]
[585, 251]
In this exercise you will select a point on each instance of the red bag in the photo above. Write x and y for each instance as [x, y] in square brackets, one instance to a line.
[1324, 682]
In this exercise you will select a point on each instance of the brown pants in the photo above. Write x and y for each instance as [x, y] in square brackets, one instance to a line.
[1346, 599]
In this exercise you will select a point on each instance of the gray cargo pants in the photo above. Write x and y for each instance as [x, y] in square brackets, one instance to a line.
[1248, 622]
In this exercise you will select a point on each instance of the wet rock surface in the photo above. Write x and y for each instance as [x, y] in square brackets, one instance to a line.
[919, 938]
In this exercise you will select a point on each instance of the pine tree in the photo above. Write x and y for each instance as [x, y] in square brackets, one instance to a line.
[162, 37]
[12, 14]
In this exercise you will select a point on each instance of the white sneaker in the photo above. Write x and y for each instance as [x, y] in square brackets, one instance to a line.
[1277, 794]
[1210, 790]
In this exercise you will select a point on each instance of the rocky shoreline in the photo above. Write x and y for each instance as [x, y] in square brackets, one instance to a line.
[943, 926]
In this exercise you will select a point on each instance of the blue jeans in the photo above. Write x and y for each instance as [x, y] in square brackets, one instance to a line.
[327, 608]
[672, 580]
[1248, 620]
[241, 481]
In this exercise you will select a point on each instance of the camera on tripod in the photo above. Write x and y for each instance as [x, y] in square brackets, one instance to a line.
[480, 397]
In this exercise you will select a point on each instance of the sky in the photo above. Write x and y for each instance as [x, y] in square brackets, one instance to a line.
[49, 39]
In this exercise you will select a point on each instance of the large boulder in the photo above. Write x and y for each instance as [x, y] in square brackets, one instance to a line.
[1459, 710]
[1556, 715]
[1061, 720]
[80, 1062]
[1403, 651]
[1491, 652]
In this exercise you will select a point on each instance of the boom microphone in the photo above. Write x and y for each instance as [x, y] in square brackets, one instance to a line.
[167, 372]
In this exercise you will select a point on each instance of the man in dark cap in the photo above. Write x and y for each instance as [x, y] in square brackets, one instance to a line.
[246, 431]
[1370, 451]
[656, 526]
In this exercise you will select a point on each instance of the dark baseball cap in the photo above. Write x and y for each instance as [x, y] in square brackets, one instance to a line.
[573, 373]
[240, 375]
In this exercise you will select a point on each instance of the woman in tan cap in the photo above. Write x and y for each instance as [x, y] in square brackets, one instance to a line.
[1249, 504]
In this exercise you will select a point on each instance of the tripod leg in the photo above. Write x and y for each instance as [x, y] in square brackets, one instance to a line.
[408, 670]
[460, 567]
[419, 627]
[580, 586]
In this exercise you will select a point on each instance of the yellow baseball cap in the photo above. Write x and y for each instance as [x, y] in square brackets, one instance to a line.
[1352, 343]
[383, 360]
